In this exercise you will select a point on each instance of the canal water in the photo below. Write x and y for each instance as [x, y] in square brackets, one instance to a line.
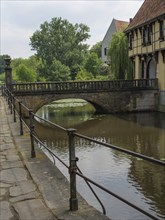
[140, 182]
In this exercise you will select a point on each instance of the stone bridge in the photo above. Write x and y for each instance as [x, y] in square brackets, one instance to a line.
[105, 96]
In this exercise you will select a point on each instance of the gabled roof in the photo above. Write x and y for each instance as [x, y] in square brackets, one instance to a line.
[149, 10]
[121, 25]
[118, 25]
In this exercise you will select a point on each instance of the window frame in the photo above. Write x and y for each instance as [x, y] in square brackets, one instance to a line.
[161, 30]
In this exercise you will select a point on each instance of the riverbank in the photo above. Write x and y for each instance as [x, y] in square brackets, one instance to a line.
[32, 188]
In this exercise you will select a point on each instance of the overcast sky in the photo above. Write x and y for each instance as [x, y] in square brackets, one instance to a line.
[20, 19]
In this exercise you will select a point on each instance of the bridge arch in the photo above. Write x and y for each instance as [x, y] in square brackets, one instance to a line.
[36, 102]
[98, 107]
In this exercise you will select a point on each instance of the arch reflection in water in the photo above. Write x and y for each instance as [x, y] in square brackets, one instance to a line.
[67, 112]
[138, 181]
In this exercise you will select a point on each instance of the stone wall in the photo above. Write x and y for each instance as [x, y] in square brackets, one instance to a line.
[161, 106]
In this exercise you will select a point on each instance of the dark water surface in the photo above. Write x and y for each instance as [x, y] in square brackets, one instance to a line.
[140, 182]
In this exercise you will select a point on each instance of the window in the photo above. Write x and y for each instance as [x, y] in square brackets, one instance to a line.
[144, 36]
[149, 32]
[163, 55]
[161, 30]
[133, 68]
[105, 51]
[130, 41]
[142, 69]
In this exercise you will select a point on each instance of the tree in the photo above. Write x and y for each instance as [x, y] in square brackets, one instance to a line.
[58, 72]
[92, 63]
[118, 55]
[104, 69]
[2, 77]
[32, 63]
[84, 75]
[25, 74]
[97, 49]
[62, 41]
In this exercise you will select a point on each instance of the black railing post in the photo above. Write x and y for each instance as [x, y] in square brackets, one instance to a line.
[5, 94]
[31, 117]
[2, 90]
[20, 117]
[72, 161]
[8, 98]
[11, 103]
[14, 115]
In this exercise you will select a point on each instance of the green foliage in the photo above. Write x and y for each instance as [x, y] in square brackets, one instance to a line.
[96, 49]
[104, 69]
[2, 77]
[62, 41]
[32, 63]
[92, 63]
[25, 74]
[58, 72]
[16, 62]
[84, 75]
[99, 77]
[119, 59]
[32, 66]
[14, 76]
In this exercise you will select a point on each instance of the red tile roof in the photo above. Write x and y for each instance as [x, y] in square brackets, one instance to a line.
[121, 25]
[149, 10]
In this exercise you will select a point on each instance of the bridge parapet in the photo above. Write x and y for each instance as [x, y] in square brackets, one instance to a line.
[84, 86]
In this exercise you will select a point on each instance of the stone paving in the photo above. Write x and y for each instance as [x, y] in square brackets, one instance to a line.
[33, 188]
[19, 197]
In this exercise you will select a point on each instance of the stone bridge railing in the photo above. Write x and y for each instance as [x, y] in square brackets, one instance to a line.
[83, 86]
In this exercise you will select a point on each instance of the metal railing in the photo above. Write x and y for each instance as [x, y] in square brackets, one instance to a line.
[84, 86]
[16, 106]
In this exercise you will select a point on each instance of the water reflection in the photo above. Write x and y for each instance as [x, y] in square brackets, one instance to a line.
[142, 183]
[67, 112]
[149, 178]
